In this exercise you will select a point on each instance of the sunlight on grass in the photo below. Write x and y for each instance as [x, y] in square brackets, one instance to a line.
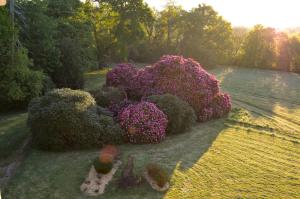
[95, 79]
[242, 164]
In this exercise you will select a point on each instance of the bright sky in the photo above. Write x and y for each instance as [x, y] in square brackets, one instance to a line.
[275, 13]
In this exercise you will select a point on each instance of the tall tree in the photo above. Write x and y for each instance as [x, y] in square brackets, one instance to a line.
[259, 48]
[206, 36]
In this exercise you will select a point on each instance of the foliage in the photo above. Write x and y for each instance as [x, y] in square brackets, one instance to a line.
[143, 123]
[118, 108]
[206, 36]
[108, 96]
[63, 45]
[186, 79]
[259, 48]
[135, 82]
[123, 77]
[158, 174]
[180, 114]
[39, 36]
[18, 83]
[294, 46]
[111, 131]
[102, 167]
[220, 106]
[68, 119]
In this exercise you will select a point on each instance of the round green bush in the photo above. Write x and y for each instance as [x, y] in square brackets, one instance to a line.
[68, 119]
[107, 96]
[181, 115]
[102, 167]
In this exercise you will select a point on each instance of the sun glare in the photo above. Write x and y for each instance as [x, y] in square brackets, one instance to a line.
[277, 13]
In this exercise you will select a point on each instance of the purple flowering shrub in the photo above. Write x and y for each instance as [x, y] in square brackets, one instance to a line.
[117, 108]
[123, 77]
[135, 82]
[143, 123]
[220, 106]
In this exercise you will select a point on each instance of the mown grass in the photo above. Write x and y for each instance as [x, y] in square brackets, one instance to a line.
[255, 153]
[13, 131]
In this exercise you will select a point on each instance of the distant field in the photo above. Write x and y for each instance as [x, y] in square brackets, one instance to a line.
[254, 153]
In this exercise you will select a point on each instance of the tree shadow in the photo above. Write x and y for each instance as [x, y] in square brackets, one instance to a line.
[272, 96]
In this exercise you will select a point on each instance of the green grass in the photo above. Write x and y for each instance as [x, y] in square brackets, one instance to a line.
[255, 153]
[95, 79]
[13, 131]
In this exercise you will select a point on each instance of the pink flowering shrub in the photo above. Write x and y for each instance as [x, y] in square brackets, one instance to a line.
[186, 79]
[220, 106]
[143, 123]
[117, 108]
[122, 76]
[136, 83]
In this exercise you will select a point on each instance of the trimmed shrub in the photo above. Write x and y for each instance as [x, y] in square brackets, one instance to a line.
[68, 119]
[158, 174]
[110, 130]
[107, 96]
[181, 115]
[143, 123]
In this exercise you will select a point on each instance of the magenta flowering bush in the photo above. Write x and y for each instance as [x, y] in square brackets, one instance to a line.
[186, 79]
[117, 108]
[143, 123]
[135, 82]
[220, 106]
[122, 76]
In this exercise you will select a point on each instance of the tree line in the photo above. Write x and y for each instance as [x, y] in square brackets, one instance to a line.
[53, 42]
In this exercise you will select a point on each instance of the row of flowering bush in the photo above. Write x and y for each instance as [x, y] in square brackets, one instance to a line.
[191, 93]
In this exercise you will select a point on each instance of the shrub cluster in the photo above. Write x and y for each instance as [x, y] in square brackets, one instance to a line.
[107, 96]
[68, 119]
[143, 123]
[184, 78]
[181, 115]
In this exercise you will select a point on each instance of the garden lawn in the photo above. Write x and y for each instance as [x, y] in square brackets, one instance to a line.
[13, 132]
[256, 156]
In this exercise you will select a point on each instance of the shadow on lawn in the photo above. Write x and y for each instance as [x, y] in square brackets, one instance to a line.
[59, 175]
